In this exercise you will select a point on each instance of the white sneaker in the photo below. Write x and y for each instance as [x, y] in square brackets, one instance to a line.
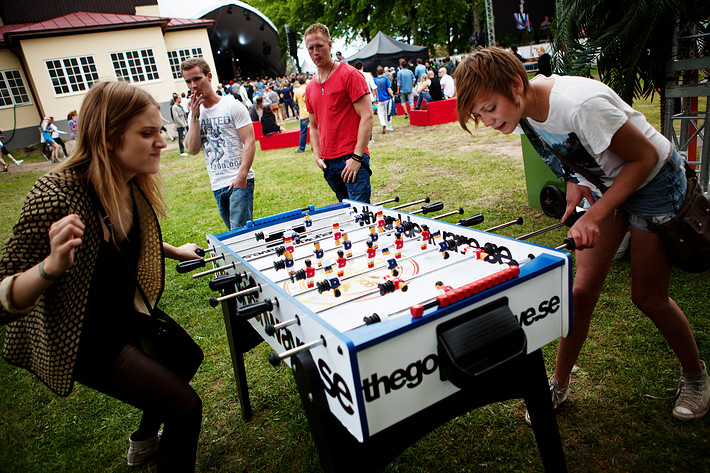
[142, 450]
[17, 163]
[389, 128]
[559, 395]
[694, 398]
[184, 154]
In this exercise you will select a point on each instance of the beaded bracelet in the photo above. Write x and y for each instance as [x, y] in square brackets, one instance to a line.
[45, 275]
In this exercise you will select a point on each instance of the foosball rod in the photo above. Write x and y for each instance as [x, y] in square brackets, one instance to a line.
[424, 200]
[571, 220]
[189, 265]
[276, 358]
[448, 214]
[231, 265]
[517, 221]
[214, 301]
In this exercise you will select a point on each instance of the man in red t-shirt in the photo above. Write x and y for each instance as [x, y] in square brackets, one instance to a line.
[340, 114]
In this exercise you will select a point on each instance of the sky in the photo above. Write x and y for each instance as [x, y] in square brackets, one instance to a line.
[189, 8]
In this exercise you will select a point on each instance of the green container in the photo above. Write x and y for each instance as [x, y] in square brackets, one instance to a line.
[546, 191]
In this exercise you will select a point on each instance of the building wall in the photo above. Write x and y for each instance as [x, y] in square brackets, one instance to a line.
[189, 39]
[24, 119]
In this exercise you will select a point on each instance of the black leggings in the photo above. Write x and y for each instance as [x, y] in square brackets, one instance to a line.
[140, 381]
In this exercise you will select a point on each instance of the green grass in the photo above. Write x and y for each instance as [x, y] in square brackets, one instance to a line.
[608, 424]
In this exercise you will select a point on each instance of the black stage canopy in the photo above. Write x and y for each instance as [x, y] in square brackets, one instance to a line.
[384, 50]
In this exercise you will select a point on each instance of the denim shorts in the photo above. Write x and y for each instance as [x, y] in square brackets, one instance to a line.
[661, 199]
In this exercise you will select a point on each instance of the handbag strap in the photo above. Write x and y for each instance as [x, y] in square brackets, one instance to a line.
[107, 221]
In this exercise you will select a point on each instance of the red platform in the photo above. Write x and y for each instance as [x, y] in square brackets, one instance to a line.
[419, 117]
[258, 134]
[438, 112]
[442, 111]
[286, 139]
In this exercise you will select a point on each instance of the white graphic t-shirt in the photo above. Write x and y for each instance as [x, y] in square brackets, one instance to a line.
[221, 145]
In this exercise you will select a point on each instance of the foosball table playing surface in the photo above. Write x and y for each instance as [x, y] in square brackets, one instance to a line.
[391, 314]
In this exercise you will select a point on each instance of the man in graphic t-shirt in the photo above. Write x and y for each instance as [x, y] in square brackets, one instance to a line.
[222, 126]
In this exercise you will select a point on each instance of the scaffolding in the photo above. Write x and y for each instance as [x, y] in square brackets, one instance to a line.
[683, 93]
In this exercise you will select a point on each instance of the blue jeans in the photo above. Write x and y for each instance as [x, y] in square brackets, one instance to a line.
[290, 104]
[358, 190]
[425, 96]
[304, 134]
[236, 205]
[181, 135]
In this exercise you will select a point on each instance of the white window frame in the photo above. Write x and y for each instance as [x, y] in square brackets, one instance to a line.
[136, 66]
[73, 75]
[177, 56]
[7, 94]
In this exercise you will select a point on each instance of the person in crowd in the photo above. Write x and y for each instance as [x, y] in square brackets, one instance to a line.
[55, 136]
[514, 51]
[286, 95]
[45, 129]
[544, 62]
[419, 69]
[257, 110]
[405, 86]
[299, 95]
[340, 119]
[423, 90]
[180, 121]
[384, 100]
[165, 130]
[591, 126]
[339, 57]
[69, 277]
[223, 125]
[4, 151]
[447, 83]
[269, 124]
[72, 119]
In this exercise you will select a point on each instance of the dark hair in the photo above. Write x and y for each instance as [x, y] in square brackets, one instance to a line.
[358, 65]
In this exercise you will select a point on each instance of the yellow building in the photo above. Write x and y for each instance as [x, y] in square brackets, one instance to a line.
[47, 67]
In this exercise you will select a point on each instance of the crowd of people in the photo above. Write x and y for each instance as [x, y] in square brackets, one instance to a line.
[71, 315]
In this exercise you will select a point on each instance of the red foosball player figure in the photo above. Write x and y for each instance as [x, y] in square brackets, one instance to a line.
[342, 262]
[380, 222]
[477, 253]
[348, 245]
[441, 288]
[336, 233]
[310, 274]
[371, 252]
[288, 243]
[373, 235]
[318, 253]
[425, 236]
[398, 244]
[307, 218]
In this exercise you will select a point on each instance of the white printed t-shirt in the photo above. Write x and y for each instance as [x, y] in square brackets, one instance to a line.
[589, 111]
[221, 144]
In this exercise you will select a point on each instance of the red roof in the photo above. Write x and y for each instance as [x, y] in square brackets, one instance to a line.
[83, 21]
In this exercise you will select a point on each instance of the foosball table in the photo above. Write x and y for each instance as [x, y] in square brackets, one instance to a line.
[392, 322]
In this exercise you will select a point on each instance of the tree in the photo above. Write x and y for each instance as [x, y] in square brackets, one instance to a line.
[630, 40]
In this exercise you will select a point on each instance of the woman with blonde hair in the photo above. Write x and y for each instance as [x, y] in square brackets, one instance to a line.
[86, 244]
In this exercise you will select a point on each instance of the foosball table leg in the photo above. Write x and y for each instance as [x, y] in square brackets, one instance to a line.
[542, 415]
[242, 338]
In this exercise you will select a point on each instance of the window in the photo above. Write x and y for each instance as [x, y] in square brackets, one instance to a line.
[135, 66]
[72, 75]
[12, 89]
[178, 56]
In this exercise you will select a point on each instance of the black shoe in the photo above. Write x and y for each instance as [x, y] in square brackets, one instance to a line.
[406, 116]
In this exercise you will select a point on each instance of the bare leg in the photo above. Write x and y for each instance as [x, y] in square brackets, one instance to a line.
[650, 276]
[592, 267]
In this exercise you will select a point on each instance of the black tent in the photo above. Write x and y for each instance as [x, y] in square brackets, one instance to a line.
[386, 51]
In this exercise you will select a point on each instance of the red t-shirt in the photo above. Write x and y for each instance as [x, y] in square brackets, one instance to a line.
[332, 104]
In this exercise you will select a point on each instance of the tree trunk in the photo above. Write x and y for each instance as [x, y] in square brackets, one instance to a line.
[413, 22]
[476, 17]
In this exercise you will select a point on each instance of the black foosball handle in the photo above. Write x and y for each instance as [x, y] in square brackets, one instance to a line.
[252, 310]
[471, 221]
[190, 265]
[435, 207]
[568, 244]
